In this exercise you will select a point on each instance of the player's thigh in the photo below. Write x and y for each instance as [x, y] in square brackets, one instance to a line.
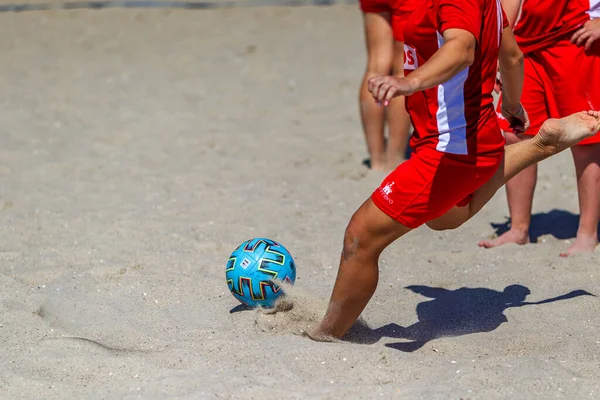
[379, 41]
[452, 219]
[473, 188]
[429, 184]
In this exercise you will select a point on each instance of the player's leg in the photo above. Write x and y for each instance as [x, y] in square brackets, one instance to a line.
[369, 232]
[539, 102]
[400, 204]
[409, 194]
[519, 194]
[380, 50]
[576, 81]
[554, 136]
[587, 168]
[398, 118]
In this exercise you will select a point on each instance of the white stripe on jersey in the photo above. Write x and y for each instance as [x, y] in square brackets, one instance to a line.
[594, 9]
[450, 116]
[500, 20]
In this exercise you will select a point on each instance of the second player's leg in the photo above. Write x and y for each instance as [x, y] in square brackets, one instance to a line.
[587, 168]
[519, 193]
[380, 52]
[397, 117]
[576, 83]
[540, 104]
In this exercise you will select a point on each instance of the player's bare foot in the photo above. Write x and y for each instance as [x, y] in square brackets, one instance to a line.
[378, 162]
[374, 164]
[512, 236]
[318, 336]
[556, 135]
[583, 244]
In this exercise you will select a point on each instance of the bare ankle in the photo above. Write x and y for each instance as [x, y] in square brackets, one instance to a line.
[378, 162]
[588, 235]
[545, 146]
[520, 229]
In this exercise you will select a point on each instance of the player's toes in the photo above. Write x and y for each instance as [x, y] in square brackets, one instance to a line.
[594, 113]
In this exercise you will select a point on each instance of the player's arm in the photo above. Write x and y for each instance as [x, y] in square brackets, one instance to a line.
[511, 64]
[456, 54]
[459, 22]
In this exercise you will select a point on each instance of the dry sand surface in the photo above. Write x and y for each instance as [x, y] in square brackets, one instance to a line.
[140, 147]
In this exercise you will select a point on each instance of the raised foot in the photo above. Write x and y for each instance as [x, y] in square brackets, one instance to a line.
[581, 245]
[557, 135]
[511, 236]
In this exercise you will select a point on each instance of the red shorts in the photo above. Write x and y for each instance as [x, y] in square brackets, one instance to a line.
[559, 81]
[375, 6]
[430, 183]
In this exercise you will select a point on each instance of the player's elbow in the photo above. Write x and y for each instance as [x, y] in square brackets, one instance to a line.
[469, 46]
[519, 58]
[515, 59]
[469, 58]
[463, 45]
[464, 57]
[467, 53]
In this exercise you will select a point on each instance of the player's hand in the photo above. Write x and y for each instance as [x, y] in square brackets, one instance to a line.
[385, 88]
[518, 120]
[587, 34]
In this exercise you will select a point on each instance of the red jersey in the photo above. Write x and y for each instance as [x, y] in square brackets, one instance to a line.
[543, 23]
[401, 11]
[457, 116]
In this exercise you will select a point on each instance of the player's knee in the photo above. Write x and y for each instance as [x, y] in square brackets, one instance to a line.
[356, 239]
[379, 65]
[452, 219]
[353, 231]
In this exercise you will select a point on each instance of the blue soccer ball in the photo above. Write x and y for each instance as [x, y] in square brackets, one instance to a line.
[252, 268]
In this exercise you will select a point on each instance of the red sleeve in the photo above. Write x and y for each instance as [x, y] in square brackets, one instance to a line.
[459, 14]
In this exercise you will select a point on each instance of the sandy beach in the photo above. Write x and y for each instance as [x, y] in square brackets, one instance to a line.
[141, 146]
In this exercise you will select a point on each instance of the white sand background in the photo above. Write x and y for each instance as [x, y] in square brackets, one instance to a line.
[139, 147]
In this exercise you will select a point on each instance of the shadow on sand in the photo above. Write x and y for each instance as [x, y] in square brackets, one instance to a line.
[559, 223]
[452, 313]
